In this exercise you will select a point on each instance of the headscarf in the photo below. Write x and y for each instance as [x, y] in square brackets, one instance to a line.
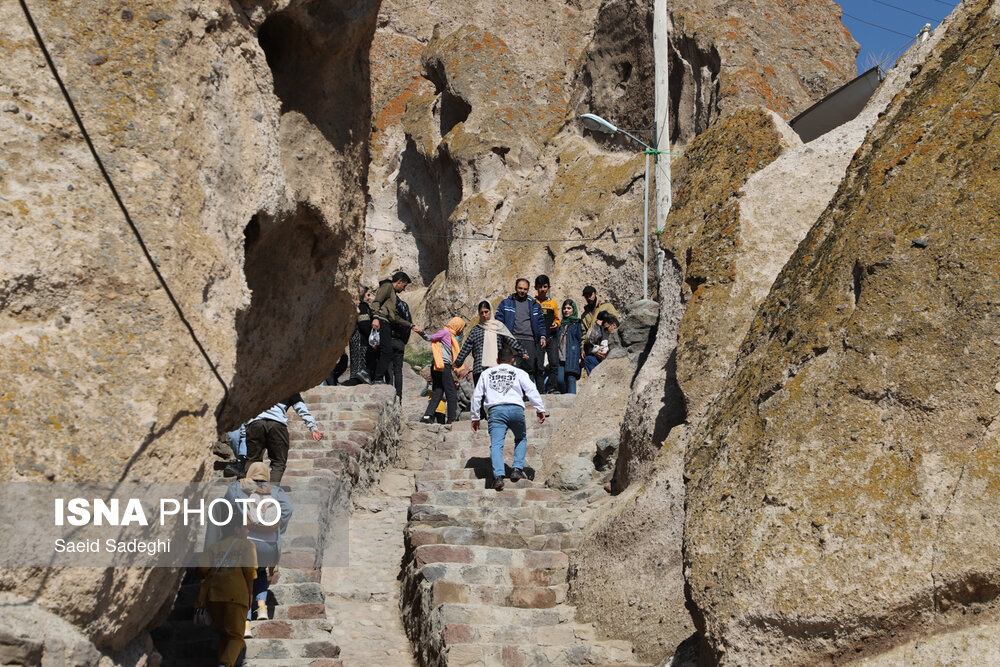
[455, 326]
[572, 319]
[257, 472]
[492, 330]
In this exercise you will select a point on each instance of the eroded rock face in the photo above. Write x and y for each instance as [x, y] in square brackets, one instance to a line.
[722, 56]
[840, 481]
[248, 196]
[492, 180]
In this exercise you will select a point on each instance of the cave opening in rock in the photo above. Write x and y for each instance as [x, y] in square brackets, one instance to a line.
[451, 108]
[305, 47]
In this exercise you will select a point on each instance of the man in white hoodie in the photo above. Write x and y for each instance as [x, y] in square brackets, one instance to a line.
[501, 389]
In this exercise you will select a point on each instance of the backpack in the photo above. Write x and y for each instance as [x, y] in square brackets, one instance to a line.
[267, 512]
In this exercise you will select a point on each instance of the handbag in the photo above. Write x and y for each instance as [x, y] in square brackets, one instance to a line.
[202, 617]
[374, 338]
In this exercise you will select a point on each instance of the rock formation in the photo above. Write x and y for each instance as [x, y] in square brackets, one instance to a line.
[478, 167]
[746, 194]
[245, 187]
[840, 482]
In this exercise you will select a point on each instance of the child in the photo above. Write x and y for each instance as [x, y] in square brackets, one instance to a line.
[445, 348]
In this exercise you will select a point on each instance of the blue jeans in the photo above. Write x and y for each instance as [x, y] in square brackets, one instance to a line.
[567, 381]
[501, 419]
[234, 442]
[590, 363]
[267, 556]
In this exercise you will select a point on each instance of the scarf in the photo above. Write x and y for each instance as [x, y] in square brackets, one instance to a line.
[572, 319]
[455, 326]
[492, 330]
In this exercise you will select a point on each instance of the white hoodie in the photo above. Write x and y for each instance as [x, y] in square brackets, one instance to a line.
[504, 385]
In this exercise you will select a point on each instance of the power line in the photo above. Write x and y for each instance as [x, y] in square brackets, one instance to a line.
[875, 25]
[118, 199]
[614, 238]
[891, 58]
[946, 4]
[929, 18]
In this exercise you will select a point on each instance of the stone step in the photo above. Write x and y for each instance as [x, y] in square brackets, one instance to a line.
[297, 594]
[294, 662]
[285, 649]
[476, 497]
[492, 575]
[481, 555]
[474, 516]
[298, 612]
[507, 539]
[478, 614]
[470, 484]
[490, 655]
[524, 597]
[316, 628]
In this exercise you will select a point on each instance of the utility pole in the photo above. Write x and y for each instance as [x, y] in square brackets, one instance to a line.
[661, 60]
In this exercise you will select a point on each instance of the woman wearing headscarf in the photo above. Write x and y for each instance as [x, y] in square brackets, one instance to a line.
[445, 349]
[569, 341]
[267, 539]
[360, 353]
[485, 340]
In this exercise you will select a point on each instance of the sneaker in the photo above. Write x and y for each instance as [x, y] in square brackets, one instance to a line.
[516, 475]
[247, 633]
[426, 420]
[261, 611]
[364, 377]
[498, 483]
[237, 468]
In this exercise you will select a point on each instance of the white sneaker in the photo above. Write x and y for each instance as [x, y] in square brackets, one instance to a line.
[261, 612]
[247, 634]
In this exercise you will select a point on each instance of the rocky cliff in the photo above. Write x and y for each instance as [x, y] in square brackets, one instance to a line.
[746, 194]
[237, 138]
[840, 482]
[479, 170]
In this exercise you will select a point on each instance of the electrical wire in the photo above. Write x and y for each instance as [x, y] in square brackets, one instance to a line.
[875, 25]
[614, 238]
[118, 198]
[929, 18]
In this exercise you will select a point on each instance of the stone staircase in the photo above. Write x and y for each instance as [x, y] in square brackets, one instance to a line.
[361, 426]
[485, 572]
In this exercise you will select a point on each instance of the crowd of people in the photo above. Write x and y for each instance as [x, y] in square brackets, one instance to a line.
[552, 343]
[528, 347]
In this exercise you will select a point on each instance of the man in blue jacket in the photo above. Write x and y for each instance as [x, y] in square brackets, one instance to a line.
[523, 316]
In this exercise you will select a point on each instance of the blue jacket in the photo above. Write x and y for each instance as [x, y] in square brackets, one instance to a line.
[574, 339]
[506, 312]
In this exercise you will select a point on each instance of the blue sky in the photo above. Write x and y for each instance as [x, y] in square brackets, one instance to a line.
[895, 26]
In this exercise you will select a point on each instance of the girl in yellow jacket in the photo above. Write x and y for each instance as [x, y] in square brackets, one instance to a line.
[445, 347]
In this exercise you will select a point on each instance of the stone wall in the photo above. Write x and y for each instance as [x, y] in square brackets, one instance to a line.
[248, 196]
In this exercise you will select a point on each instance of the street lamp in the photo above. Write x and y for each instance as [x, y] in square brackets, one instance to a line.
[595, 123]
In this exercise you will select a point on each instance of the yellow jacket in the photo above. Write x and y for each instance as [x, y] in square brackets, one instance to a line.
[233, 580]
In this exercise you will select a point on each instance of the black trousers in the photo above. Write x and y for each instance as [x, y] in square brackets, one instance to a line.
[552, 370]
[266, 435]
[443, 383]
[398, 348]
[534, 365]
[384, 361]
